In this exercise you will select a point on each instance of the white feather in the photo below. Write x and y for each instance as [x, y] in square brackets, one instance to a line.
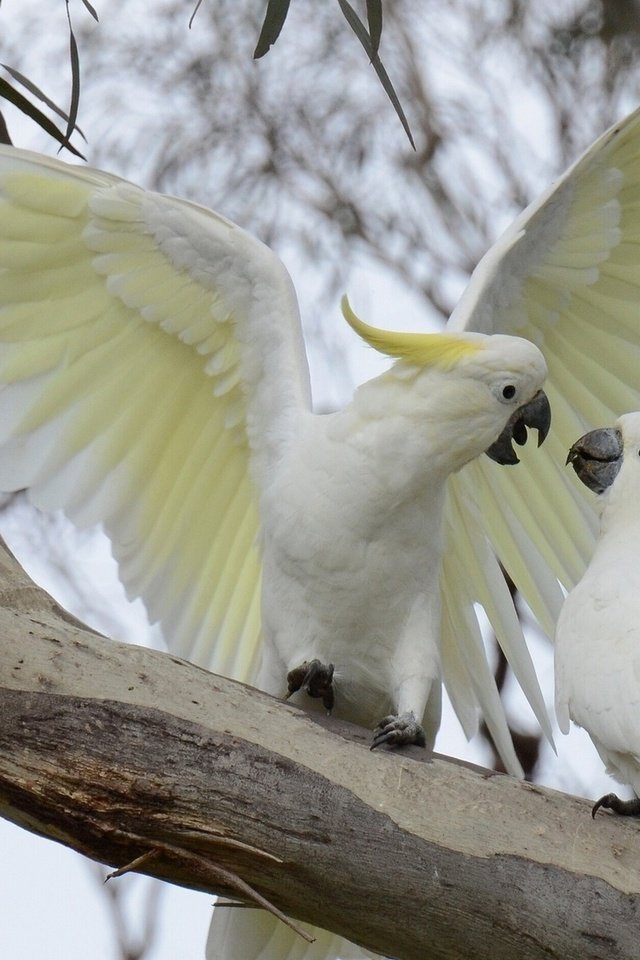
[564, 275]
[248, 934]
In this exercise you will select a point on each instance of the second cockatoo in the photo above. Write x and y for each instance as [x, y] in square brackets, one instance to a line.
[154, 380]
[597, 653]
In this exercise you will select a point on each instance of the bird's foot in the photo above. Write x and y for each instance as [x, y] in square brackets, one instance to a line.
[626, 808]
[397, 730]
[315, 678]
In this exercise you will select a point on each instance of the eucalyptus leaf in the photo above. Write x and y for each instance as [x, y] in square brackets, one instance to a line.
[30, 110]
[37, 92]
[275, 17]
[362, 34]
[75, 78]
[4, 132]
[374, 19]
[92, 10]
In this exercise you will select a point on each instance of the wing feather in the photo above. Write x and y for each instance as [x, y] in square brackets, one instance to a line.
[157, 314]
[137, 334]
[565, 275]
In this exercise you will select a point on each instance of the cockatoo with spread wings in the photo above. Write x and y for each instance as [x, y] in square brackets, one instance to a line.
[598, 635]
[154, 380]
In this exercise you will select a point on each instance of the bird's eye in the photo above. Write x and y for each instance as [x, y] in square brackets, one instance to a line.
[509, 392]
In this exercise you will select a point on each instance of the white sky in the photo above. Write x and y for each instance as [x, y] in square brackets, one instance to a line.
[52, 906]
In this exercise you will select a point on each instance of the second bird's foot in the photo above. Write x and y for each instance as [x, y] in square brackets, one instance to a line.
[397, 730]
[626, 808]
[315, 678]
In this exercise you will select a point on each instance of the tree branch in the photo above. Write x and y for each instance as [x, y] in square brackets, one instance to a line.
[122, 753]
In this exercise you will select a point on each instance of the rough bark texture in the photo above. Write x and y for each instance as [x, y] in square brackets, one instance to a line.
[122, 752]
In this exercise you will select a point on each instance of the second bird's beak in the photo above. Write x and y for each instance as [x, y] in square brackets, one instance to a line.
[597, 458]
[535, 414]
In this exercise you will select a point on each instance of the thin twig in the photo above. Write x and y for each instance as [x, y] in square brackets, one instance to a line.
[215, 873]
[134, 865]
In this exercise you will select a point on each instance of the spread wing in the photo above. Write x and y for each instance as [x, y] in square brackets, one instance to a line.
[565, 275]
[137, 334]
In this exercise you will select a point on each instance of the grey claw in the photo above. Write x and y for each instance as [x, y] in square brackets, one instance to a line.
[315, 678]
[626, 808]
[396, 730]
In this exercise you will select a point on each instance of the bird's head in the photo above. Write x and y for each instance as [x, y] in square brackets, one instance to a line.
[599, 455]
[513, 371]
[488, 389]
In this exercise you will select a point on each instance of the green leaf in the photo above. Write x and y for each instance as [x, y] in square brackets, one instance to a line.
[362, 34]
[4, 133]
[374, 19]
[91, 10]
[30, 110]
[75, 78]
[37, 92]
[275, 17]
[357, 26]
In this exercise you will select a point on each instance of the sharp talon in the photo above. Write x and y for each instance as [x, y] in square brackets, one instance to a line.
[316, 679]
[610, 801]
[398, 730]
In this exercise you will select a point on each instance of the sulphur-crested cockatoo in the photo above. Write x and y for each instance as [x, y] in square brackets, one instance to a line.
[154, 380]
[597, 653]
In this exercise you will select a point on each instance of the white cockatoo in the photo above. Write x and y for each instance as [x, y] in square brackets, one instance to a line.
[154, 379]
[597, 654]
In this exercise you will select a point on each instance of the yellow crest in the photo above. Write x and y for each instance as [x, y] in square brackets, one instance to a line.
[424, 349]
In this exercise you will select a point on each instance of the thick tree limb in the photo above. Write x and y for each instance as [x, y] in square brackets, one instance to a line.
[124, 753]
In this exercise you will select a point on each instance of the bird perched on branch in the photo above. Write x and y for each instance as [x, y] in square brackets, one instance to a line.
[154, 380]
[597, 651]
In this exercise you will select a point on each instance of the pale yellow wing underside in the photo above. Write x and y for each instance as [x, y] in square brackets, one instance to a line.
[135, 333]
[565, 275]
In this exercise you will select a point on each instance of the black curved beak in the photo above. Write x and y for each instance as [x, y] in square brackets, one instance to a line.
[535, 414]
[597, 458]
